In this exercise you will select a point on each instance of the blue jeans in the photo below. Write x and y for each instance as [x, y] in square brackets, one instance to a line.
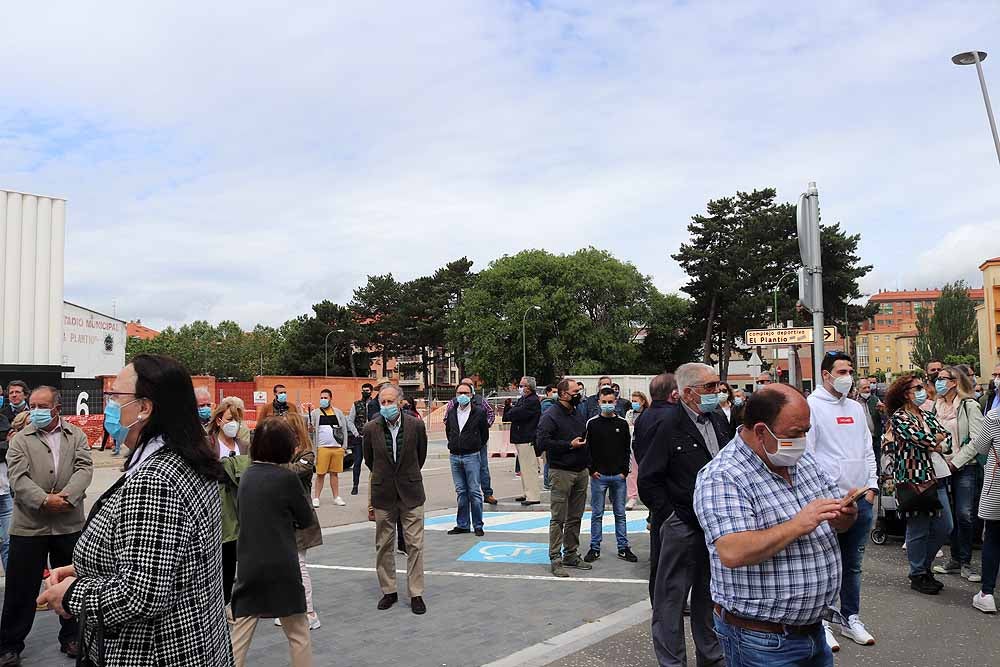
[749, 648]
[545, 475]
[926, 534]
[465, 473]
[599, 488]
[963, 489]
[991, 556]
[6, 510]
[852, 550]
[484, 472]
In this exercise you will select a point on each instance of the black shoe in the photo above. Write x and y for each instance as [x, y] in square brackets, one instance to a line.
[592, 555]
[520, 498]
[577, 563]
[354, 491]
[70, 648]
[417, 605]
[479, 532]
[388, 600]
[529, 503]
[934, 582]
[10, 659]
[458, 531]
[626, 554]
[920, 584]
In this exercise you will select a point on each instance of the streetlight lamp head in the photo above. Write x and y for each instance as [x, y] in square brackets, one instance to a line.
[968, 58]
[537, 307]
[340, 331]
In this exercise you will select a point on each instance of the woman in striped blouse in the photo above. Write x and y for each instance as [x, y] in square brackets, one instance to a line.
[987, 442]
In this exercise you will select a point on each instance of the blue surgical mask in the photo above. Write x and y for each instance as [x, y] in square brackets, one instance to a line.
[607, 408]
[941, 386]
[737, 401]
[40, 417]
[1, 401]
[389, 412]
[282, 397]
[709, 402]
[205, 412]
[324, 403]
[464, 399]
[636, 406]
[113, 421]
[18, 405]
[920, 397]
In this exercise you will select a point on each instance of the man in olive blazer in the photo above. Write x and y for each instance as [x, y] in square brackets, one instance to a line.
[395, 448]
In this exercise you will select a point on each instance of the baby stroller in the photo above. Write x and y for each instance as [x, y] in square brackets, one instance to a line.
[887, 519]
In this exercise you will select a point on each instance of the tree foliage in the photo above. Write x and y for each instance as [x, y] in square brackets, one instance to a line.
[736, 255]
[951, 330]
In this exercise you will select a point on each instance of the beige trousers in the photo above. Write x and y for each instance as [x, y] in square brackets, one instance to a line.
[385, 543]
[529, 471]
[296, 630]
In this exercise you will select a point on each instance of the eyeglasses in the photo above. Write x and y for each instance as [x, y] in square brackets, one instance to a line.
[945, 377]
[711, 386]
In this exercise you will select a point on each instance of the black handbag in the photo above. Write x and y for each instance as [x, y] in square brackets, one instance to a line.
[918, 497]
[348, 458]
[96, 642]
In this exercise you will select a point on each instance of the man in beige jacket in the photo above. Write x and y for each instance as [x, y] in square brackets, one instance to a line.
[50, 469]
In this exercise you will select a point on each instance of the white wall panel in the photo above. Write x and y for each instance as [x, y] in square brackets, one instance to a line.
[32, 238]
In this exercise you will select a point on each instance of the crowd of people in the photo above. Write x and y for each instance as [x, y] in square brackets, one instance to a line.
[760, 504]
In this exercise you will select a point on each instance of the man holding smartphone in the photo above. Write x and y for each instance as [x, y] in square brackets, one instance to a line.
[842, 444]
[561, 436]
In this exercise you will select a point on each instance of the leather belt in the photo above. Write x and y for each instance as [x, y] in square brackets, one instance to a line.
[765, 626]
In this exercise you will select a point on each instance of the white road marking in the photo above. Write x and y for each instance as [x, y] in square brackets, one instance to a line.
[484, 575]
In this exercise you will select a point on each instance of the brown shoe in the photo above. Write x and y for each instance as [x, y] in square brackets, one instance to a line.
[70, 648]
[490, 500]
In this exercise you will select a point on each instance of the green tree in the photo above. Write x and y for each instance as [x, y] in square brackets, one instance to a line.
[670, 339]
[736, 255]
[951, 330]
[376, 307]
[593, 310]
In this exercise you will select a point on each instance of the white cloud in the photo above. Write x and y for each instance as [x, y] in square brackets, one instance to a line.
[244, 160]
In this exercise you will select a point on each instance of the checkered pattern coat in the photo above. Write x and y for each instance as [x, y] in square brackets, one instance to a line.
[151, 560]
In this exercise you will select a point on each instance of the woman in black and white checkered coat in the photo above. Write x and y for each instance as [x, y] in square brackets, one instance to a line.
[148, 565]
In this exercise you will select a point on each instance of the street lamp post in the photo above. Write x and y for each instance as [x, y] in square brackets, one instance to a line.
[524, 340]
[326, 355]
[976, 58]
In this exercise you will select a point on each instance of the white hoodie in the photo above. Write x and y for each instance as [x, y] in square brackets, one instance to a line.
[841, 442]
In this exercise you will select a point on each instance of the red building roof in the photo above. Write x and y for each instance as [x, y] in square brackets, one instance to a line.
[138, 330]
[919, 295]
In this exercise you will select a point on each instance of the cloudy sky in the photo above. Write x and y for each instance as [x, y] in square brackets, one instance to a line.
[246, 159]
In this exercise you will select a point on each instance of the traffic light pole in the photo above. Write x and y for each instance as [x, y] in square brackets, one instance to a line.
[811, 273]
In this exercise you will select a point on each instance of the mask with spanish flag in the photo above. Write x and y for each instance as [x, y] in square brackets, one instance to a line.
[790, 450]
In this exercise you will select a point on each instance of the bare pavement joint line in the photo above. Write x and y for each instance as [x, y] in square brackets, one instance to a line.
[485, 575]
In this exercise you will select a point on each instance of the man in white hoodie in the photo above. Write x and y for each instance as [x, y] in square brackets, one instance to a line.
[842, 444]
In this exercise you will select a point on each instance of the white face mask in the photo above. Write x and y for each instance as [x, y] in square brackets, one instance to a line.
[790, 450]
[723, 397]
[996, 382]
[842, 384]
[231, 429]
[866, 394]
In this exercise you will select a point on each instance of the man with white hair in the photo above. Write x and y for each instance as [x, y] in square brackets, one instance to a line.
[204, 398]
[688, 438]
[395, 448]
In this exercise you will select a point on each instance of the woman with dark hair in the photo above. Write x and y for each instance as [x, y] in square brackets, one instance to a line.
[272, 505]
[917, 436]
[147, 567]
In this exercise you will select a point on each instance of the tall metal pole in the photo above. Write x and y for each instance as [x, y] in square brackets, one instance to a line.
[816, 269]
[986, 99]
[326, 355]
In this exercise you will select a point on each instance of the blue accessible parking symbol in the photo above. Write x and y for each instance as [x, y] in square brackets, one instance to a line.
[525, 553]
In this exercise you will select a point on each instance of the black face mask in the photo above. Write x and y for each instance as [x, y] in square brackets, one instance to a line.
[366, 394]
[575, 400]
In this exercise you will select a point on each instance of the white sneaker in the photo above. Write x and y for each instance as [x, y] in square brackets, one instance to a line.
[630, 505]
[939, 554]
[984, 603]
[831, 641]
[856, 631]
[904, 546]
[314, 623]
[339, 501]
[316, 502]
[970, 574]
[277, 622]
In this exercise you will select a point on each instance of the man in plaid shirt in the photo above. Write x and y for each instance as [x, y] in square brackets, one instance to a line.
[771, 518]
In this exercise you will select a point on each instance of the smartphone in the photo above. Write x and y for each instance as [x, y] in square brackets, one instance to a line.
[858, 495]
